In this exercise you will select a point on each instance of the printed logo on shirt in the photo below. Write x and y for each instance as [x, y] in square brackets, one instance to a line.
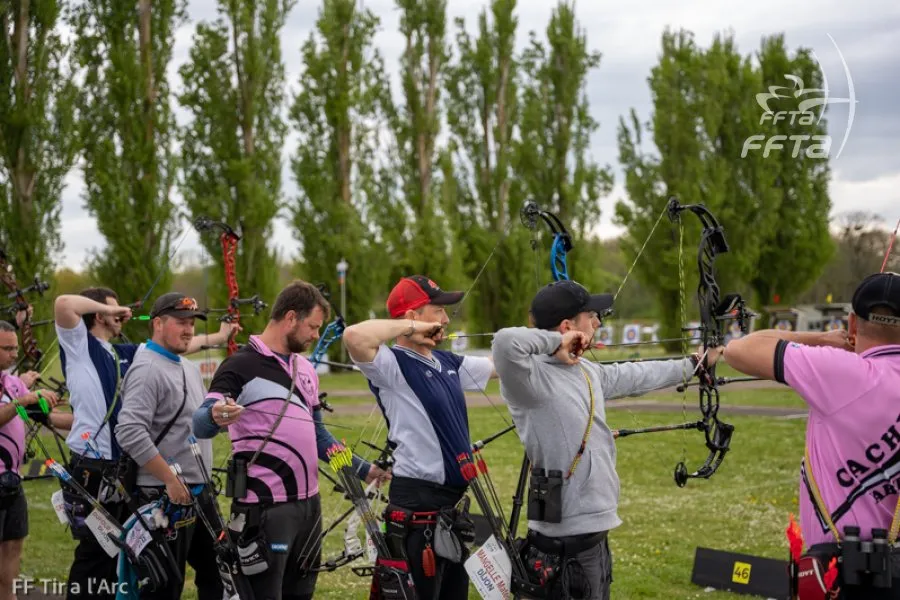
[306, 384]
[280, 548]
[452, 372]
[874, 474]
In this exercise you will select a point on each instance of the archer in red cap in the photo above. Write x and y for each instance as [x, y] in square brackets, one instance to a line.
[421, 392]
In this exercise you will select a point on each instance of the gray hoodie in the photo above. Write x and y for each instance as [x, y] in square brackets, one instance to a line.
[549, 403]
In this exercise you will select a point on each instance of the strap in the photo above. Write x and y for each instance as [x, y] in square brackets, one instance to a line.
[895, 525]
[115, 400]
[284, 407]
[823, 510]
[587, 430]
[168, 426]
[817, 495]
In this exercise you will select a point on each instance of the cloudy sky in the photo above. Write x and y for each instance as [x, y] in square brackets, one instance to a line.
[866, 176]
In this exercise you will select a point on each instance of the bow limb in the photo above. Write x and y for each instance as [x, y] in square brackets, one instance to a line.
[31, 353]
[887, 254]
[333, 331]
[228, 240]
[562, 240]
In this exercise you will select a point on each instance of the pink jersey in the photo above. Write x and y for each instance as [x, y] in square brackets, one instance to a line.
[12, 435]
[853, 434]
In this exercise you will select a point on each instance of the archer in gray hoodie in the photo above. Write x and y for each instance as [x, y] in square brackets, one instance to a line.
[550, 391]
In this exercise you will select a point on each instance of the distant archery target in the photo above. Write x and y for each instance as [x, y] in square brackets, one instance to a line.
[695, 330]
[604, 335]
[784, 325]
[834, 325]
[631, 333]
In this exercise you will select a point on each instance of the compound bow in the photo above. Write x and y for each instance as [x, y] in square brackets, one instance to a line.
[714, 313]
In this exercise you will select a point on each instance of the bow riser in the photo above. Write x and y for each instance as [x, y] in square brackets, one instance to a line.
[713, 318]
[228, 240]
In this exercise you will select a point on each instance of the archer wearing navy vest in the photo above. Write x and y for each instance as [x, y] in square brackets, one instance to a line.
[421, 392]
[93, 368]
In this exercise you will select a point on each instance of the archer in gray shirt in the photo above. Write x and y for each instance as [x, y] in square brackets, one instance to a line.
[549, 391]
[160, 388]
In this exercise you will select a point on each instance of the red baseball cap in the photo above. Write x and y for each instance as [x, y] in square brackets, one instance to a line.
[415, 292]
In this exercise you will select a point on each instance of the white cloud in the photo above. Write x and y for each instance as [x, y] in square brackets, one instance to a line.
[628, 36]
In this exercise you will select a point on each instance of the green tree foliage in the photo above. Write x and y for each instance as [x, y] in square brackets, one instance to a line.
[127, 128]
[482, 115]
[797, 176]
[37, 137]
[234, 84]
[704, 109]
[554, 165]
[342, 114]
[416, 126]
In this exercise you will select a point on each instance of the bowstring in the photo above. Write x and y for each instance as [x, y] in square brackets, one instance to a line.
[462, 364]
[682, 302]
[631, 267]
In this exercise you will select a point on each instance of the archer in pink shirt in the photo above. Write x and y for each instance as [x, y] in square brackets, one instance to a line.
[851, 382]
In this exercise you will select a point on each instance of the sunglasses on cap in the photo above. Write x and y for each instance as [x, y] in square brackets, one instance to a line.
[185, 303]
[182, 304]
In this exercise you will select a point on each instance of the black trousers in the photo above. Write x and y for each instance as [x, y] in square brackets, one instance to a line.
[202, 558]
[291, 531]
[450, 582]
[93, 573]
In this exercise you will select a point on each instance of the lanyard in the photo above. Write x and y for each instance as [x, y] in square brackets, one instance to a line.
[115, 398]
[587, 431]
[826, 516]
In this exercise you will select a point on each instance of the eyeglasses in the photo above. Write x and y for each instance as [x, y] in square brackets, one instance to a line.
[9, 348]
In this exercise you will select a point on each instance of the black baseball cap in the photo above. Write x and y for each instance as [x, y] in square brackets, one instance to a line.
[563, 300]
[178, 305]
[880, 289]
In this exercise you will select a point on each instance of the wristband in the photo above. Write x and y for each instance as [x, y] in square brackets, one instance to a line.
[412, 329]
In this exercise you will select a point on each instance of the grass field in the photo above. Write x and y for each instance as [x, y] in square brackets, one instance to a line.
[743, 508]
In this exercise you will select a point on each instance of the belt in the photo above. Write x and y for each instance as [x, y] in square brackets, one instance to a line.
[566, 546]
[398, 514]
